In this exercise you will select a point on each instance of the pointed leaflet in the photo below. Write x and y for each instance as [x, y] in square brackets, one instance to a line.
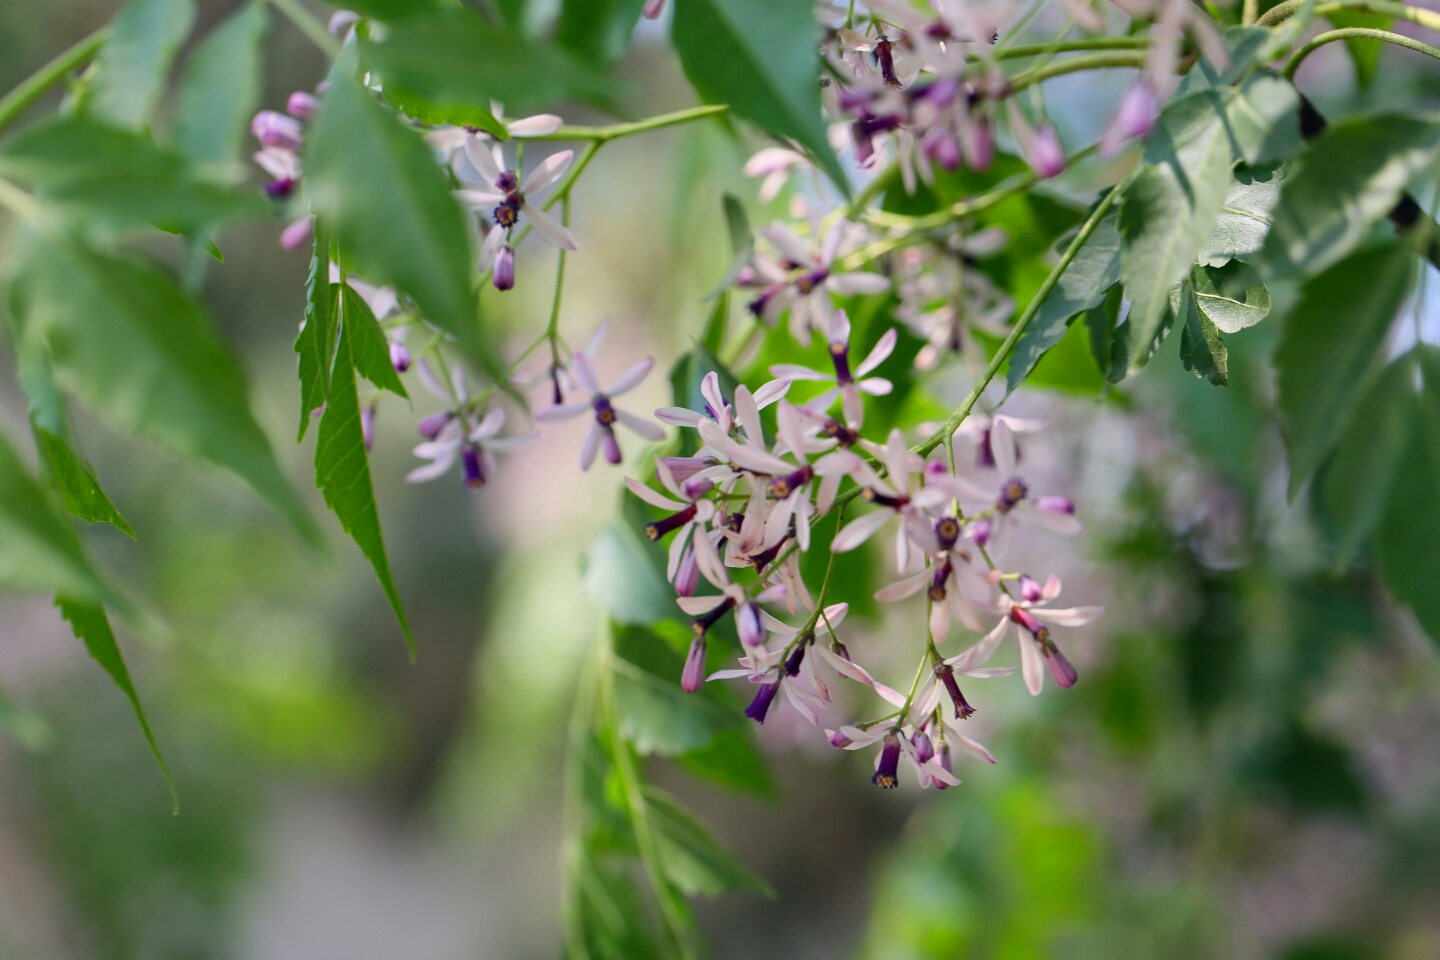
[1169, 212]
[38, 549]
[316, 343]
[761, 57]
[1330, 345]
[368, 344]
[597, 30]
[1341, 186]
[693, 859]
[221, 89]
[386, 201]
[1201, 349]
[143, 355]
[136, 58]
[1229, 309]
[342, 471]
[1100, 324]
[92, 627]
[1082, 286]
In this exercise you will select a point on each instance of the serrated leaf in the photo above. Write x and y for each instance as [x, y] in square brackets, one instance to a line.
[1330, 345]
[597, 30]
[220, 90]
[1082, 286]
[762, 59]
[1357, 478]
[1201, 349]
[693, 859]
[386, 201]
[316, 342]
[370, 346]
[1244, 221]
[1100, 324]
[73, 476]
[453, 57]
[1169, 212]
[456, 114]
[38, 550]
[1341, 186]
[142, 354]
[92, 627]
[656, 716]
[136, 58]
[1231, 312]
[342, 470]
[1264, 119]
[103, 173]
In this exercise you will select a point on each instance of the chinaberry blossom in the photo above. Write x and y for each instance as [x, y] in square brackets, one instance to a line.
[474, 448]
[850, 387]
[804, 278]
[507, 199]
[606, 414]
[774, 164]
[708, 611]
[1013, 498]
[1029, 615]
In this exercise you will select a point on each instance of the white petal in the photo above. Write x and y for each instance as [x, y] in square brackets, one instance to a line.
[770, 392]
[477, 151]
[882, 350]
[489, 426]
[875, 386]
[591, 444]
[430, 471]
[788, 426]
[889, 694]
[478, 199]
[859, 530]
[1032, 664]
[786, 244]
[1002, 444]
[651, 496]
[793, 371]
[980, 653]
[710, 390]
[697, 606]
[905, 587]
[503, 444]
[552, 168]
[584, 369]
[1051, 521]
[679, 416]
[645, 428]
[550, 228]
[990, 673]
[749, 415]
[793, 695]
[540, 125]
[974, 748]
[1051, 590]
[937, 772]
[849, 284]
[561, 411]
[729, 674]
[631, 378]
[430, 382]
[1069, 616]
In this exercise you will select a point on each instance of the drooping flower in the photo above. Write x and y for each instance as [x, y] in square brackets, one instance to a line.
[475, 449]
[892, 497]
[689, 512]
[807, 277]
[1029, 614]
[1053, 514]
[508, 199]
[850, 387]
[949, 580]
[602, 429]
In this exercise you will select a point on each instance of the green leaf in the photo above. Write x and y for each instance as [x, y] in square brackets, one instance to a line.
[1365, 54]
[92, 627]
[597, 30]
[656, 716]
[1100, 325]
[1214, 287]
[221, 89]
[342, 470]
[1082, 286]
[1406, 545]
[1341, 186]
[1356, 484]
[25, 726]
[1201, 349]
[1244, 219]
[1169, 212]
[762, 58]
[73, 476]
[38, 550]
[621, 576]
[693, 859]
[712, 335]
[102, 173]
[1125, 356]
[455, 114]
[742, 244]
[1287, 33]
[733, 761]
[392, 9]
[1331, 343]
[1263, 117]
[454, 58]
[369, 344]
[1243, 45]
[387, 203]
[136, 58]
[316, 343]
[142, 354]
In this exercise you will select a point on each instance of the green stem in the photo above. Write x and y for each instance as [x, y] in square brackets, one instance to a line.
[308, 25]
[1358, 33]
[617, 130]
[1249, 12]
[20, 99]
[877, 186]
[1072, 46]
[1399, 11]
[552, 328]
[1089, 61]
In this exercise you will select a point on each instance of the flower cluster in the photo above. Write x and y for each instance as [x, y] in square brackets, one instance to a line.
[281, 137]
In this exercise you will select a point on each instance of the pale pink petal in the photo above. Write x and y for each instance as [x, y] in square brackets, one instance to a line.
[1002, 443]
[540, 125]
[1069, 616]
[550, 228]
[591, 444]
[651, 496]
[850, 284]
[679, 416]
[645, 428]
[1032, 664]
[1051, 521]
[882, 349]
[980, 653]
[631, 378]
[698, 606]
[793, 371]
[584, 370]
[786, 244]
[875, 386]
[771, 392]
[552, 168]
[905, 587]
[562, 411]
[477, 151]
[859, 530]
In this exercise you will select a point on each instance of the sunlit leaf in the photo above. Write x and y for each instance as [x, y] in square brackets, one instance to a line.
[1201, 349]
[1244, 219]
[1263, 119]
[220, 90]
[136, 58]
[1222, 304]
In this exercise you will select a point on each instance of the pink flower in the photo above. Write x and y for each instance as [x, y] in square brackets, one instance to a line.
[602, 428]
[476, 450]
[1134, 118]
[804, 279]
[1037, 650]
[1013, 498]
[850, 388]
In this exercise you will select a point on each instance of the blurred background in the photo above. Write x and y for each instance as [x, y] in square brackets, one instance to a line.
[1249, 766]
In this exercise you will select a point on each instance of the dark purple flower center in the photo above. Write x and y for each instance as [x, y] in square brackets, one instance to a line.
[947, 531]
[792, 662]
[474, 468]
[507, 214]
[782, 487]
[937, 582]
[884, 499]
[604, 413]
[840, 356]
[1012, 492]
[835, 429]
[887, 774]
[811, 279]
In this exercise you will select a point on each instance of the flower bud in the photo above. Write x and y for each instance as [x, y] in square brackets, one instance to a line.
[1060, 667]
[980, 531]
[692, 678]
[887, 773]
[839, 740]
[1030, 590]
[298, 233]
[747, 623]
[302, 105]
[1045, 156]
[367, 425]
[924, 750]
[942, 757]
[687, 574]
[504, 276]
[474, 467]
[431, 426]
[277, 130]
[760, 706]
[1135, 117]
[1056, 505]
[399, 357]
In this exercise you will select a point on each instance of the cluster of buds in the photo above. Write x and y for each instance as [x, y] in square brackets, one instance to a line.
[281, 137]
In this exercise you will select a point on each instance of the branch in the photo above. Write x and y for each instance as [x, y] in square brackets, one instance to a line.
[20, 99]
[1425, 18]
[617, 130]
[1089, 61]
[1364, 33]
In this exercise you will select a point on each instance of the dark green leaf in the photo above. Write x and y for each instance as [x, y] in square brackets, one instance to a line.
[1125, 356]
[656, 716]
[104, 173]
[221, 89]
[136, 58]
[1243, 44]
[762, 58]
[597, 30]
[1219, 301]
[342, 470]
[92, 627]
[38, 550]
[386, 201]
[453, 58]
[693, 859]
[1341, 186]
[1082, 286]
[733, 761]
[142, 354]
[73, 476]
[316, 343]
[1330, 345]
[1407, 548]
[1365, 54]
[1356, 483]
[369, 344]
[1100, 325]
[1244, 220]
[1201, 349]
[621, 577]
[457, 114]
[712, 335]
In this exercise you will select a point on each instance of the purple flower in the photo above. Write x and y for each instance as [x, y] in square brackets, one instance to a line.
[508, 197]
[476, 449]
[302, 105]
[760, 706]
[1134, 118]
[504, 276]
[692, 678]
[298, 233]
[849, 386]
[277, 130]
[887, 767]
[805, 277]
[1055, 515]
[399, 356]
[602, 428]
[1037, 649]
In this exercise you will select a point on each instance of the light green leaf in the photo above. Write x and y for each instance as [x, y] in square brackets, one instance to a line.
[693, 859]
[1201, 349]
[1331, 344]
[316, 343]
[369, 344]
[1169, 212]
[656, 716]
[386, 201]
[620, 576]
[1244, 220]
[454, 58]
[136, 58]
[742, 245]
[220, 90]
[1082, 286]
[92, 627]
[456, 114]
[143, 355]
[103, 173]
[1243, 44]
[1264, 119]
[1365, 54]
[1341, 186]
[1230, 312]
[38, 550]
[597, 30]
[731, 760]
[342, 470]
[761, 58]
